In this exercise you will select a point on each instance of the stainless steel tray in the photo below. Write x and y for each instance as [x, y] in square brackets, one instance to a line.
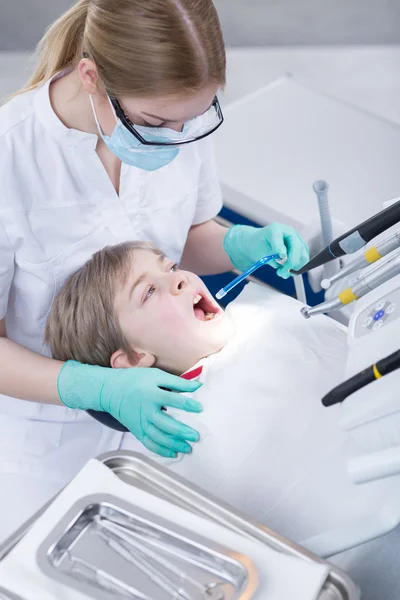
[6, 595]
[145, 474]
[108, 548]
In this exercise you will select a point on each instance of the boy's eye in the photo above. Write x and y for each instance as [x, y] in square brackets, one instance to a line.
[149, 293]
[174, 267]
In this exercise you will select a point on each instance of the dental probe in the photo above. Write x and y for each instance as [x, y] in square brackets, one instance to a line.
[355, 238]
[362, 286]
[263, 261]
[368, 258]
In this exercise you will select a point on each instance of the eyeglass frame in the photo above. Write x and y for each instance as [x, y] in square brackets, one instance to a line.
[131, 126]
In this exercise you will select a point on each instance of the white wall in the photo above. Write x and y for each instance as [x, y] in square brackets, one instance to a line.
[245, 22]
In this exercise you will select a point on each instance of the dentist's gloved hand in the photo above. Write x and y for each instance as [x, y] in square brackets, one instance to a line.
[246, 245]
[134, 397]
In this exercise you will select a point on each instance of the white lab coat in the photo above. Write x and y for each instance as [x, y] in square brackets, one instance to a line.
[57, 207]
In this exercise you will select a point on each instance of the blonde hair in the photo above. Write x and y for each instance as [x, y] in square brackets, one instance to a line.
[82, 325]
[140, 47]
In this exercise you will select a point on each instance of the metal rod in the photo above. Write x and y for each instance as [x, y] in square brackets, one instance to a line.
[109, 582]
[369, 257]
[140, 559]
[321, 187]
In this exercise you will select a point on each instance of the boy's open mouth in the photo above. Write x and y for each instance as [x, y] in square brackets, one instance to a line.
[203, 308]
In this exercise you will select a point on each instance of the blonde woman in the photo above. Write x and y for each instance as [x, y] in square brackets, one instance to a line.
[110, 141]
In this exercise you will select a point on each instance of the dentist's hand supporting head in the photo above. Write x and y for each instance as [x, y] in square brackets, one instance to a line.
[246, 245]
[134, 397]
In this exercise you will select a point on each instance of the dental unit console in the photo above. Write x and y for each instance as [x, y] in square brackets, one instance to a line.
[368, 398]
[367, 401]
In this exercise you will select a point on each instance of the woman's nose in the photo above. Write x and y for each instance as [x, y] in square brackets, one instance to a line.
[176, 126]
[178, 283]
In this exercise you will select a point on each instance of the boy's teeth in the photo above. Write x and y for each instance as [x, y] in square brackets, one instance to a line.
[197, 299]
[209, 316]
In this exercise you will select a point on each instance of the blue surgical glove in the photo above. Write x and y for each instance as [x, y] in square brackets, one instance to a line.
[246, 245]
[135, 398]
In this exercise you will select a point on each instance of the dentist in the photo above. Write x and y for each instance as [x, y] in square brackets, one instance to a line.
[109, 141]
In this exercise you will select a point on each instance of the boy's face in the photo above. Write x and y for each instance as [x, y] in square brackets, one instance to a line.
[168, 316]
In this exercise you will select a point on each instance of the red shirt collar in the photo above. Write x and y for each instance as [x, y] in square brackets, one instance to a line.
[193, 373]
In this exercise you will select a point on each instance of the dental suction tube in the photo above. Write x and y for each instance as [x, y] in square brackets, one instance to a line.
[355, 238]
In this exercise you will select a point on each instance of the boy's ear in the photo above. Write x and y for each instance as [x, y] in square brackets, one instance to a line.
[122, 360]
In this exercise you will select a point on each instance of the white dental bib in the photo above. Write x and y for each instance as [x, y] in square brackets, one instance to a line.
[268, 446]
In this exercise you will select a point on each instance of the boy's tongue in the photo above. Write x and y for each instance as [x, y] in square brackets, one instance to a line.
[199, 312]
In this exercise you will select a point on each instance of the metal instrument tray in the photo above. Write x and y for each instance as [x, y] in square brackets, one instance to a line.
[108, 548]
[6, 595]
[143, 473]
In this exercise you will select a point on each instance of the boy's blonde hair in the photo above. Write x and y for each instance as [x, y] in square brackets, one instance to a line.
[82, 325]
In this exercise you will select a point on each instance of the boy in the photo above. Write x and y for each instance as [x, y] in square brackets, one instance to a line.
[129, 306]
[267, 445]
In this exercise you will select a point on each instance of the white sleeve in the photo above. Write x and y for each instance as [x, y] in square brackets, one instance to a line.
[209, 201]
[6, 269]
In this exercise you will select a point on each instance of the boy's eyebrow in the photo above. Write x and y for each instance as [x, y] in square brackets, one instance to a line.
[143, 276]
[138, 281]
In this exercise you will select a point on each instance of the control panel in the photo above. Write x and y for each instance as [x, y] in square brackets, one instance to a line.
[378, 314]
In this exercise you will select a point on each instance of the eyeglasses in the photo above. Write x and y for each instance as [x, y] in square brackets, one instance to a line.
[207, 124]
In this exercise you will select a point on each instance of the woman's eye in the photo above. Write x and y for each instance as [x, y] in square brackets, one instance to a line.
[149, 292]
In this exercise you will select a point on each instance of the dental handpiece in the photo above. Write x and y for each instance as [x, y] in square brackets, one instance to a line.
[362, 286]
[368, 258]
[382, 367]
[355, 238]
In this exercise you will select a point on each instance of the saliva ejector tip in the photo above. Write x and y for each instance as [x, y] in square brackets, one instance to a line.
[220, 294]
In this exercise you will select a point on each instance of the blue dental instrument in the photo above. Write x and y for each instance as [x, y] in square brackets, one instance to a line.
[263, 261]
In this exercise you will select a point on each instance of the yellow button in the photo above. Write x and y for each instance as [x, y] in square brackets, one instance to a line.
[372, 255]
[347, 296]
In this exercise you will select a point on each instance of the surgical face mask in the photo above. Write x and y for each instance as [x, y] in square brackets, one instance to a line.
[132, 152]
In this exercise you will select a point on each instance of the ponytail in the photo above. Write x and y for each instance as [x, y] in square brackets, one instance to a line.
[59, 47]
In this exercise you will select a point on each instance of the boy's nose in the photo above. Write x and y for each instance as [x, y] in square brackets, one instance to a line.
[178, 282]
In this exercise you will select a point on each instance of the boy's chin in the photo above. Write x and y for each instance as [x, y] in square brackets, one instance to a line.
[226, 330]
[221, 335]
[230, 327]
[217, 340]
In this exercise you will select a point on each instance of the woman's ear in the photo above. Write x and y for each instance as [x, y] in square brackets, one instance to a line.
[88, 75]
[120, 359]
